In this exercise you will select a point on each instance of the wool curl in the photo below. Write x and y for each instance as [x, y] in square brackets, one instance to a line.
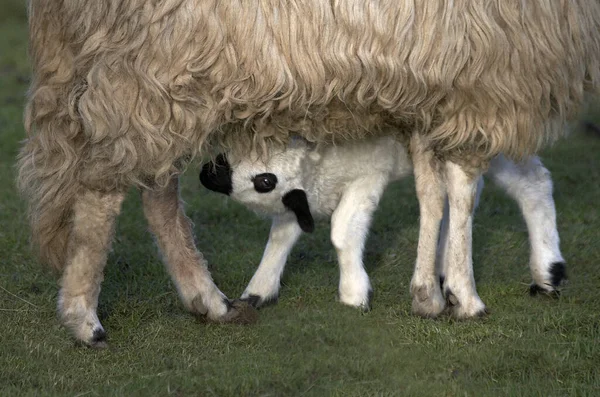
[126, 92]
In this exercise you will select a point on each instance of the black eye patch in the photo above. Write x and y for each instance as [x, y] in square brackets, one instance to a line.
[264, 183]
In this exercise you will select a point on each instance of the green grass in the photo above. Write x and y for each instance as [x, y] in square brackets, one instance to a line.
[307, 344]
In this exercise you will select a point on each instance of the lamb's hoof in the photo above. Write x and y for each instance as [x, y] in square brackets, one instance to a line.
[558, 270]
[535, 289]
[363, 304]
[475, 308]
[239, 312]
[427, 302]
[259, 302]
[366, 307]
[558, 277]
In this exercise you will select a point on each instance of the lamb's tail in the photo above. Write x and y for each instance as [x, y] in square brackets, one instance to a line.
[49, 159]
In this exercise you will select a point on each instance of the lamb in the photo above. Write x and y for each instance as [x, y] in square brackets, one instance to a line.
[346, 182]
[125, 93]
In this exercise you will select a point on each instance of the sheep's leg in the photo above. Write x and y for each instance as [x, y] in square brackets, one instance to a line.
[264, 286]
[424, 287]
[530, 184]
[349, 229]
[94, 215]
[188, 269]
[441, 263]
[459, 284]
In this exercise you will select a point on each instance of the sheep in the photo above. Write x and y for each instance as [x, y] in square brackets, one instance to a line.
[346, 182]
[126, 93]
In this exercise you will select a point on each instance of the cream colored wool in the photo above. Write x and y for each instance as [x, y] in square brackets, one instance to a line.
[122, 90]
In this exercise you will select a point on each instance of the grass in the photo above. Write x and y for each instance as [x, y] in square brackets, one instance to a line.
[307, 344]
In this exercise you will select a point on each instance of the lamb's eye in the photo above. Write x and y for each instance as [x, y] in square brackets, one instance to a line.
[264, 183]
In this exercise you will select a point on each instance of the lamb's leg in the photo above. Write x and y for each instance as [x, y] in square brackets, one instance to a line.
[459, 284]
[264, 286]
[530, 184]
[188, 269]
[94, 215]
[349, 229]
[424, 287]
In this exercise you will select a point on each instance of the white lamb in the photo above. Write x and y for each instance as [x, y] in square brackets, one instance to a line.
[346, 182]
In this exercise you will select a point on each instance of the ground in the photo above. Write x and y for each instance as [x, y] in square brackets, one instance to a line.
[307, 344]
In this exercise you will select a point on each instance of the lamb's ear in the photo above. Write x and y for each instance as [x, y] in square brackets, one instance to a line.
[217, 176]
[297, 201]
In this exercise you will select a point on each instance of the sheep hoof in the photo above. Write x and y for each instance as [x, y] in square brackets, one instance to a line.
[427, 302]
[239, 312]
[98, 340]
[475, 309]
[82, 322]
[259, 302]
[253, 300]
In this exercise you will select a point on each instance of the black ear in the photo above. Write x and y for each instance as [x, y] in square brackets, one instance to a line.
[296, 201]
[217, 176]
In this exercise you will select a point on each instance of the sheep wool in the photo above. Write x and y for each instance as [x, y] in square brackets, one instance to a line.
[126, 92]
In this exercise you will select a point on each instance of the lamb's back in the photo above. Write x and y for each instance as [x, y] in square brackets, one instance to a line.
[330, 169]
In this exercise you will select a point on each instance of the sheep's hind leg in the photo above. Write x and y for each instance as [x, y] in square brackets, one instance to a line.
[94, 215]
[188, 269]
[264, 286]
[425, 287]
[530, 184]
[459, 284]
[349, 229]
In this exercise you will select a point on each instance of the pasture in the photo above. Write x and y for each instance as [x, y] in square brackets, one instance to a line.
[306, 344]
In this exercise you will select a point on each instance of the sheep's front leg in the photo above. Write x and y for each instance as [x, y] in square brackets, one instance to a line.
[349, 229]
[188, 269]
[264, 285]
[530, 184]
[459, 284]
[441, 263]
[425, 287]
[94, 215]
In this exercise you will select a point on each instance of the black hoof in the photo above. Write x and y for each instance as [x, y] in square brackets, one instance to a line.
[483, 313]
[258, 302]
[535, 289]
[558, 270]
[253, 300]
[98, 340]
[558, 276]
[99, 335]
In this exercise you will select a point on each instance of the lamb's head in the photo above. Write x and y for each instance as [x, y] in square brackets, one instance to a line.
[272, 186]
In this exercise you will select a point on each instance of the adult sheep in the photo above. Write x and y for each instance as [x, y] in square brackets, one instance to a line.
[124, 93]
